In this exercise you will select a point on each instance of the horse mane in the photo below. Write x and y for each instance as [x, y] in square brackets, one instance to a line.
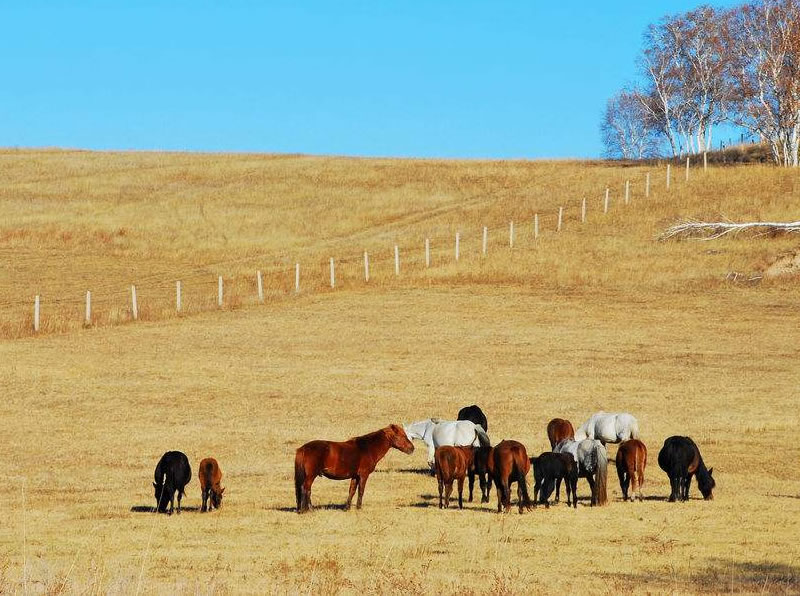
[369, 436]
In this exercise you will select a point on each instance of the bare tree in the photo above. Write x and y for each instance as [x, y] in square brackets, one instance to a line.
[627, 130]
[765, 40]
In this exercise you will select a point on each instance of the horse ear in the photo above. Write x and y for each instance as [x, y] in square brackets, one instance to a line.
[710, 471]
[155, 485]
[222, 490]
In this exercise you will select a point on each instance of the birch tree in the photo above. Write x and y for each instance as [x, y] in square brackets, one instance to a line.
[626, 129]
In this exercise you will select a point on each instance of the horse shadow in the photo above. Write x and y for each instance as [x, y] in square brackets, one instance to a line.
[418, 471]
[326, 507]
[151, 509]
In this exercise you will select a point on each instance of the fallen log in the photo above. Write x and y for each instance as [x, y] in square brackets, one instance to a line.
[703, 230]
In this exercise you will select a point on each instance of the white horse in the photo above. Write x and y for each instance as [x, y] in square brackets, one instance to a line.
[609, 428]
[435, 432]
[592, 459]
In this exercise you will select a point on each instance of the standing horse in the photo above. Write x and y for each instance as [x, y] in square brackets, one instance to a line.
[354, 459]
[474, 414]
[559, 429]
[592, 460]
[549, 469]
[210, 477]
[631, 462]
[508, 462]
[171, 475]
[452, 464]
[680, 458]
[608, 428]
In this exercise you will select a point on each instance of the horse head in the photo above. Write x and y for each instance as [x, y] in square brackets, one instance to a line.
[706, 484]
[216, 495]
[398, 438]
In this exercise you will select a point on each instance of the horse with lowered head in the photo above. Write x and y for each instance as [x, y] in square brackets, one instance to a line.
[452, 465]
[559, 429]
[171, 476]
[631, 462]
[592, 459]
[354, 459]
[680, 458]
[210, 488]
[608, 428]
[508, 462]
[549, 469]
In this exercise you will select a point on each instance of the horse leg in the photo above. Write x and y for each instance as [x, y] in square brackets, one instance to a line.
[640, 478]
[506, 494]
[440, 482]
[353, 486]
[687, 485]
[180, 496]
[574, 484]
[674, 484]
[306, 499]
[558, 490]
[362, 481]
[432, 458]
[448, 489]
[593, 500]
[537, 487]
[471, 484]
[203, 508]
[460, 492]
[486, 486]
[499, 490]
[634, 485]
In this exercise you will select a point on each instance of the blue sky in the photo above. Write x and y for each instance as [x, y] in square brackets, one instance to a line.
[522, 79]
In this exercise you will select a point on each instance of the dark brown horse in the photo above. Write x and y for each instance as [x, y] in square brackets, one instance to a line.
[559, 429]
[508, 462]
[452, 464]
[210, 488]
[680, 458]
[354, 459]
[631, 462]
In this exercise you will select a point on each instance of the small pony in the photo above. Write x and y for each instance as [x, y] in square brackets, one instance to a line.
[508, 462]
[559, 429]
[210, 477]
[549, 469]
[355, 459]
[631, 462]
[680, 458]
[452, 464]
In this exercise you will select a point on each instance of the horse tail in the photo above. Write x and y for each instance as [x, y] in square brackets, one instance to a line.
[523, 484]
[601, 477]
[299, 478]
[634, 428]
[482, 437]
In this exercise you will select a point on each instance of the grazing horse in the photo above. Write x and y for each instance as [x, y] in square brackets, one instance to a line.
[631, 462]
[549, 469]
[474, 414]
[680, 458]
[210, 477]
[508, 462]
[452, 464]
[559, 429]
[171, 475]
[354, 459]
[608, 428]
[592, 460]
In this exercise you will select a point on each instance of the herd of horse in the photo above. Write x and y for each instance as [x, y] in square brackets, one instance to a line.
[460, 449]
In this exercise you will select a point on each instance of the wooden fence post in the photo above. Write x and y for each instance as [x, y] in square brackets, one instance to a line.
[535, 226]
[396, 260]
[627, 191]
[178, 304]
[260, 286]
[560, 217]
[687, 169]
[511, 234]
[647, 185]
[134, 304]
[668, 173]
[333, 275]
[427, 252]
[36, 314]
[605, 203]
[458, 245]
[485, 240]
[297, 278]
[88, 307]
[583, 210]
[219, 291]
[705, 161]
[366, 266]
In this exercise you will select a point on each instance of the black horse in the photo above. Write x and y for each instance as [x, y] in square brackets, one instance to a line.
[172, 474]
[680, 459]
[474, 414]
[549, 469]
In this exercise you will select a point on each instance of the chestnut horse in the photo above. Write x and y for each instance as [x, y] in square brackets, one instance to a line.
[559, 429]
[210, 489]
[508, 462]
[452, 464]
[631, 461]
[354, 459]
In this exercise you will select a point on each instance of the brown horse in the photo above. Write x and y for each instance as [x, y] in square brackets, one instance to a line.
[452, 464]
[559, 429]
[210, 489]
[631, 462]
[508, 462]
[354, 459]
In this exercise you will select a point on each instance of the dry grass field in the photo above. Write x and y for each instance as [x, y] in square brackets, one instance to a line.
[598, 316]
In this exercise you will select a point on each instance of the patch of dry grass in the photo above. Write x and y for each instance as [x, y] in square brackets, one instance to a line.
[599, 317]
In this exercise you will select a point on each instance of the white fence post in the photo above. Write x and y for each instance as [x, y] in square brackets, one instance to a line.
[366, 266]
[458, 243]
[333, 275]
[560, 217]
[219, 291]
[605, 203]
[36, 314]
[705, 160]
[627, 191]
[260, 286]
[396, 260]
[687, 169]
[485, 240]
[134, 304]
[668, 175]
[88, 307]
[178, 304]
[535, 226]
[647, 185]
[583, 210]
[427, 252]
[511, 234]
[297, 278]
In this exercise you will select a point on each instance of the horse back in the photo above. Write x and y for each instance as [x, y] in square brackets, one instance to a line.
[451, 462]
[174, 466]
[679, 454]
[474, 414]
